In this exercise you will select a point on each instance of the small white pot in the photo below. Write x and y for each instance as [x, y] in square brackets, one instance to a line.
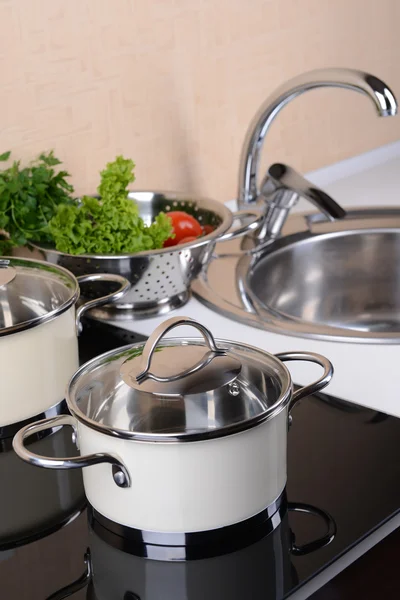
[38, 336]
[206, 449]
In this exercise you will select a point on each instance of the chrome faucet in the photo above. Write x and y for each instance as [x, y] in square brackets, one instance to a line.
[281, 190]
[282, 186]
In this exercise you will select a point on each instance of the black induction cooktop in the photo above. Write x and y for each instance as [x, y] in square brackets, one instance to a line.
[342, 462]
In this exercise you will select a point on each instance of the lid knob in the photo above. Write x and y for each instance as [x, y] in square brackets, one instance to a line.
[180, 368]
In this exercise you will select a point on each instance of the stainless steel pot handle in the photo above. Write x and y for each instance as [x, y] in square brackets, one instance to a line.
[113, 297]
[316, 386]
[159, 333]
[78, 584]
[256, 223]
[321, 542]
[84, 580]
[119, 471]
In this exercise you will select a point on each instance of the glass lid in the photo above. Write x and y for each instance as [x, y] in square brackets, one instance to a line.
[179, 389]
[32, 292]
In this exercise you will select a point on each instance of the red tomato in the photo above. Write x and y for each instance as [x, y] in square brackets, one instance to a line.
[184, 226]
[207, 229]
[186, 240]
[170, 242]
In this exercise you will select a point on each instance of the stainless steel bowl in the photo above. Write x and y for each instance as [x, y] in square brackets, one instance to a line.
[160, 278]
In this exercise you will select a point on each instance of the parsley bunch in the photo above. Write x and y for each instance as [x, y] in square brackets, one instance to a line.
[110, 224]
[29, 198]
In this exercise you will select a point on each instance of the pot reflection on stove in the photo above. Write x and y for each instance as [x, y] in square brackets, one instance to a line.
[259, 570]
[372, 416]
[37, 502]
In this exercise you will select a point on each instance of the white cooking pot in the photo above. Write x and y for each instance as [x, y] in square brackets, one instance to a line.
[38, 336]
[197, 444]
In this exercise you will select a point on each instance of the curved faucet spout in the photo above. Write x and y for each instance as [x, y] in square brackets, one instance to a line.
[380, 94]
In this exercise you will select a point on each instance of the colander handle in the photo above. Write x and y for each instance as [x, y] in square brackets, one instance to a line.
[113, 297]
[256, 223]
[159, 333]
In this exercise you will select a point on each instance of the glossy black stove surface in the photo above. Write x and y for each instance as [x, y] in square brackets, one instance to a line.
[341, 459]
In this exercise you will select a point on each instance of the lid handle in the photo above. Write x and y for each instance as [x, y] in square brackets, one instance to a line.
[159, 333]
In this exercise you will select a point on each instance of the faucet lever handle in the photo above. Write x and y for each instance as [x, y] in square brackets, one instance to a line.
[282, 186]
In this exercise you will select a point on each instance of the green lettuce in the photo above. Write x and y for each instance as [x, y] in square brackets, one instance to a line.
[110, 224]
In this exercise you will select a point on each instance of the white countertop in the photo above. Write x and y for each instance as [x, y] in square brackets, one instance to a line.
[360, 369]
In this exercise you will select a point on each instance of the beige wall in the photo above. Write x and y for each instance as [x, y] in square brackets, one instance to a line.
[174, 83]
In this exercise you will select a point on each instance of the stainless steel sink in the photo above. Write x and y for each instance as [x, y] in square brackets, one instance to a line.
[332, 276]
[347, 280]
[337, 281]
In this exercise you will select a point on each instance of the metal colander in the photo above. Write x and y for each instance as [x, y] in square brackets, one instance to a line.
[160, 279]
